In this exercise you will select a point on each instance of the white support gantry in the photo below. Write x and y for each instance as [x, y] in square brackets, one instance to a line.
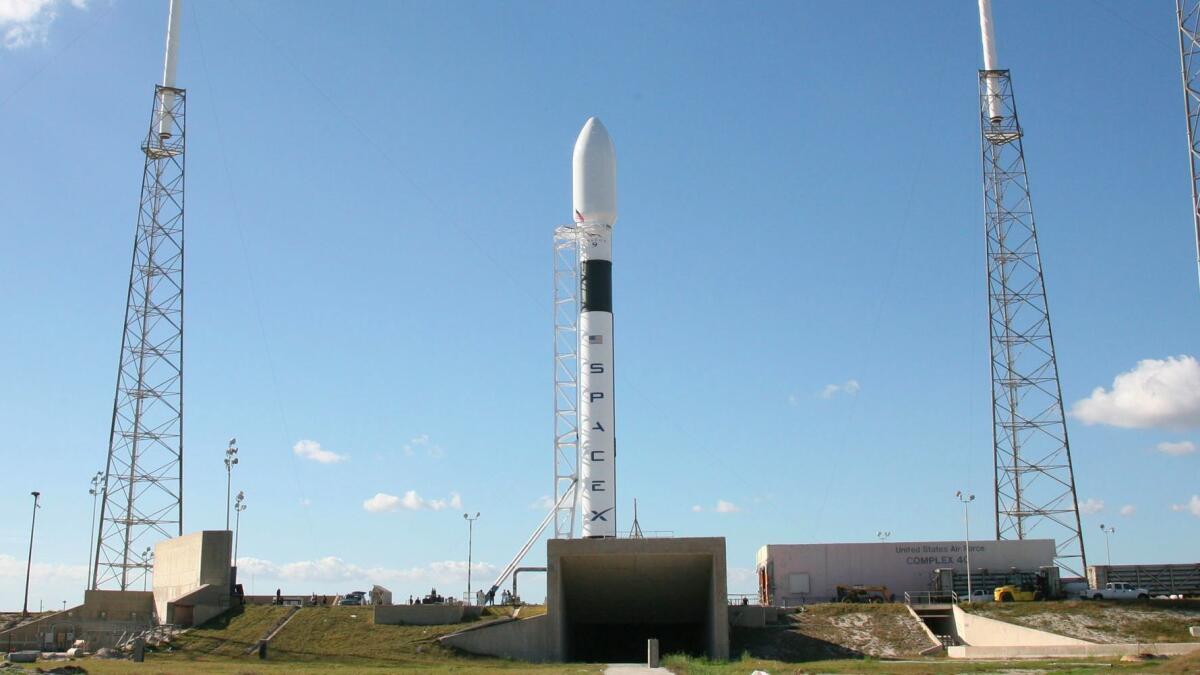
[566, 379]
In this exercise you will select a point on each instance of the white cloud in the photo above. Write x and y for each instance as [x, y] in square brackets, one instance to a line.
[697, 508]
[305, 501]
[543, 503]
[741, 580]
[411, 501]
[1091, 506]
[1176, 448]
[1157, 393]
[422, 444]
[46, 573]
[1128, 510]
[849, 387]
[312, 450]
[726, 507]
[455, 502]
[382, 502]
[1192, 506]
[27, 22]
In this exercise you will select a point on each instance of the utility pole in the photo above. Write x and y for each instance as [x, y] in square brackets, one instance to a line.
[238, 508]
[97, 481]
[966, 501]
[1107, 531]
[470, 546]
[230, 460]
[147, 557]
[29, 564]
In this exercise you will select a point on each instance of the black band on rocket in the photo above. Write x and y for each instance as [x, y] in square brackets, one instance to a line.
[595, 286]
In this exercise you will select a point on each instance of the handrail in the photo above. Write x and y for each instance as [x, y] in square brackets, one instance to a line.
[930, 597]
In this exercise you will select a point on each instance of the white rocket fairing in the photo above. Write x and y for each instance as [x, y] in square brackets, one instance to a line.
[987, 31]
[594, 195]
[174, 14]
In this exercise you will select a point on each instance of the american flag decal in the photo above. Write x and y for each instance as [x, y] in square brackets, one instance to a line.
[595, 339]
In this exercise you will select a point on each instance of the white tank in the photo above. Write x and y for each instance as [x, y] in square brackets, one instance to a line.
[594, 175]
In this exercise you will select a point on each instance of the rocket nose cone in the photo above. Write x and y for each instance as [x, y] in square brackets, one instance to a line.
[594, 175]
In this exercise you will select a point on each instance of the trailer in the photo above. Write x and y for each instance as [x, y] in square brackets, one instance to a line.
[1175, 579]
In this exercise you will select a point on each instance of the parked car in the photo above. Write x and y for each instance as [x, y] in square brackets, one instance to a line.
[981, 595]
[1116, 591]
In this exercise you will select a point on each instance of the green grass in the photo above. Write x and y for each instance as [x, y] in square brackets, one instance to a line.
[1105, 621]
[233, 633]
[323, 639]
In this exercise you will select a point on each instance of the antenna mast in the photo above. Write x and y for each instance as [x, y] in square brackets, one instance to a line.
[1034, 480]
[1189, 49]
[143, 480]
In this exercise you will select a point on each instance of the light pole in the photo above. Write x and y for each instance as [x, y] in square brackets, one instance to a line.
[147, 556]
[95, 493]
[1107, 531]
[470, 546]
[230, 460]
[883, 535]
[238, 508]
[966, 501]
[29, 564]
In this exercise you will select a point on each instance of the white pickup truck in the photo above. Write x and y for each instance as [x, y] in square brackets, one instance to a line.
[1115, 591]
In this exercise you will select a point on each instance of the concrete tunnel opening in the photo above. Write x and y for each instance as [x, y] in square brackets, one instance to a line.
[614, 595]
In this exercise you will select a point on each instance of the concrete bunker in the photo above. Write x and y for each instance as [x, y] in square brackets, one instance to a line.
[608, 596]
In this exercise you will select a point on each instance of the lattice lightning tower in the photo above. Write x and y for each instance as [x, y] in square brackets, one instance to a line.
[1189, 50]
[143, 481]
[1034, 479]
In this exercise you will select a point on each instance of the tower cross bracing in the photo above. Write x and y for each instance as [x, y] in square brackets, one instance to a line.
[143, 480]
[1034, 479]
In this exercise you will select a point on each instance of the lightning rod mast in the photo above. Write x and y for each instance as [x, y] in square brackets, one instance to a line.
[143, 478]
[1034, 480]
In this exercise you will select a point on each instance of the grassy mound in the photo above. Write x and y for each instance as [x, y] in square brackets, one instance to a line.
[233, 633]
[1104, 621]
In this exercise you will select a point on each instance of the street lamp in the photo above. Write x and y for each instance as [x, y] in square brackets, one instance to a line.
[883, 535]
[29, 565]
[966, 501]
[238, 508]
[147, 557]
[230, 460]
[470, 546]
[95, 493]
[1107, 531]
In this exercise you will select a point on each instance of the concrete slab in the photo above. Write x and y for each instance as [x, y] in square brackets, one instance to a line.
[418, 615]
[633, 669]
[606, 597]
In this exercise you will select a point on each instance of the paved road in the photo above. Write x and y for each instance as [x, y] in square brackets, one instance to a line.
[633, 669]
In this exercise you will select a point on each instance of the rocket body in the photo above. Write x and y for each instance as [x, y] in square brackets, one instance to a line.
[594, 196]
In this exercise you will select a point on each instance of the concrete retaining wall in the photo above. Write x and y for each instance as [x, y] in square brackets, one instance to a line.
[1085, 650]
[978, 631]
[748, 616]
[418, 615]
[522, 639]
[184, 564]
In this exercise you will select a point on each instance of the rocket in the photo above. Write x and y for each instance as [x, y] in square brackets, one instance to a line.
[594, 196]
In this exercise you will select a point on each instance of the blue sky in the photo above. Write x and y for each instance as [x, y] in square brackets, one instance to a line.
[371, 196]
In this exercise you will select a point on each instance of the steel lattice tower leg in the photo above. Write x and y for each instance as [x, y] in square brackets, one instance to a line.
[143, 481]
[1034, 480]
[1189, 49]
[566, 379]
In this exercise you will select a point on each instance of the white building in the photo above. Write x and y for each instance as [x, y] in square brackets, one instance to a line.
[793, 574]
